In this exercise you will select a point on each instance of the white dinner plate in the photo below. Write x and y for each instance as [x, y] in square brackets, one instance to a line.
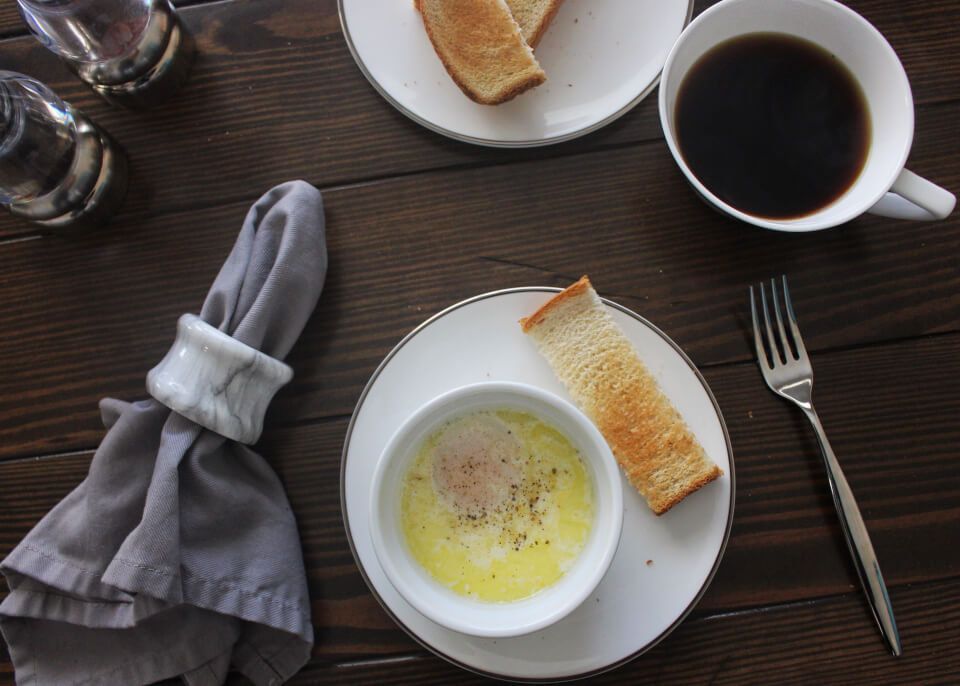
[601, 58]
[664, 564]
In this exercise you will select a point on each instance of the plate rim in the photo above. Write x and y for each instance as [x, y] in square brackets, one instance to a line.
[488, 142]
[436, 651]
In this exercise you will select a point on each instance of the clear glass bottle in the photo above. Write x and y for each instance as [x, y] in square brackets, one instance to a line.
[57, 168]
[132, 52]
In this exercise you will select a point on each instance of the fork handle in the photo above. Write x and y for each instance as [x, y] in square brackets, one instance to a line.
[858, 540]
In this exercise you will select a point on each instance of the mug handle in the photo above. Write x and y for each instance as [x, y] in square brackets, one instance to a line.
[913, 197]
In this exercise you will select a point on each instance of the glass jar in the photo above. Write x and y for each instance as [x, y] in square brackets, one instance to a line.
[57, 168]
[132, 52]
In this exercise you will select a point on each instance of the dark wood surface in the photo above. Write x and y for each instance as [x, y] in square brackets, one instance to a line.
[417, 222]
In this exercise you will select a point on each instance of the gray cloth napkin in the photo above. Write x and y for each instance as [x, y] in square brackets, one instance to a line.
[178, 555]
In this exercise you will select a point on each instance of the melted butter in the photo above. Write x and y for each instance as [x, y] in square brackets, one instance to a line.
[497, 505]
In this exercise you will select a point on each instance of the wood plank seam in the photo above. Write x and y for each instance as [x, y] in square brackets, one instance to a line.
[558, 152]
[693, 619]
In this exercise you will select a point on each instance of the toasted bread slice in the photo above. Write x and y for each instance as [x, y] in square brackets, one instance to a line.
[533, 16]
[600, 368]
[481, 46]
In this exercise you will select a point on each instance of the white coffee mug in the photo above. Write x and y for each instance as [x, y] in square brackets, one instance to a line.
[883, 187]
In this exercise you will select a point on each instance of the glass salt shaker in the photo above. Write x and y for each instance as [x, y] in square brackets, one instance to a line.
[134, 53]
[57, 168]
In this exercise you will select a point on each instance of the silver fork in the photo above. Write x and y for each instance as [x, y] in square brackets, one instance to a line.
[789, 374]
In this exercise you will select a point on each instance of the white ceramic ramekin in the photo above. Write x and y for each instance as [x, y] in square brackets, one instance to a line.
[476, 617]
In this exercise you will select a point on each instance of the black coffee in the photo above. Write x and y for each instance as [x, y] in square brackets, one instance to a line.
[773, 125]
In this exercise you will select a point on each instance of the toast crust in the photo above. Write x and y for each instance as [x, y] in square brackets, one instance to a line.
[589, 353]
[535, 33]
[568, 293]
[479, 43]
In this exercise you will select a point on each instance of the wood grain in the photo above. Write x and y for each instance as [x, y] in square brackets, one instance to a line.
[100, 310]
[417, 222]
[785, 545]
[276, 95]
[11, 22]
[824, 641]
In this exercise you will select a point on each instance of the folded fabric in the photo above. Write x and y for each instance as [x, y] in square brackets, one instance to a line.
[178, 555]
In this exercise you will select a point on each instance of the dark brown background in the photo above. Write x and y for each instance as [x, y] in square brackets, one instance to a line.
[417, 222]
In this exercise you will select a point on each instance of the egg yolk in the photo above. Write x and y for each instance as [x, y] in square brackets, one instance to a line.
[497, 505]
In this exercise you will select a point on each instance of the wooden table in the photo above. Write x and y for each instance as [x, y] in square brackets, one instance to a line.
[417, 222]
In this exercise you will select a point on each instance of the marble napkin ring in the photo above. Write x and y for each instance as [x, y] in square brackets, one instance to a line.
[216, 381]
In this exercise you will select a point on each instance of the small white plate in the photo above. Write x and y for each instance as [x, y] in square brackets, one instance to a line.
[664, 564]
[601, 57]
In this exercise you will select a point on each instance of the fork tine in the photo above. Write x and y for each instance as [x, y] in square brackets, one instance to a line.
[775, 358]
[784, 342]
[757, 340]
[794, 329]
